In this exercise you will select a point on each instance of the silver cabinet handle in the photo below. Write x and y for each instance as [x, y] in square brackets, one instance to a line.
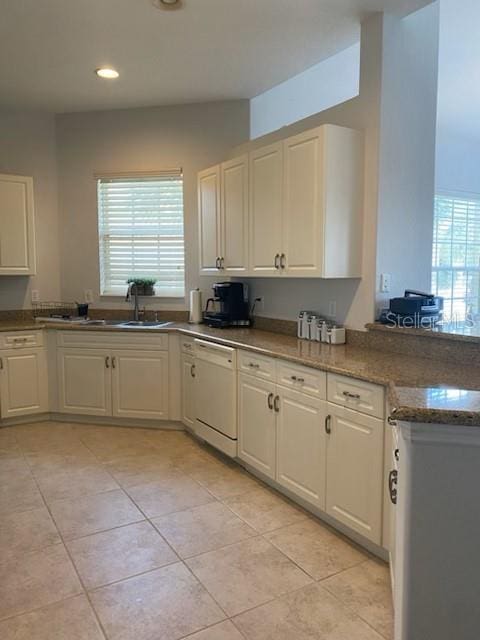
[192, 370]
[107, 362]
[283, 261]
[222, 263]
[218, 263]
[276, 404]
[1, 364]
[392, 485]
[270, 400]
[391, 421]
[328, 425]
[114, 362]
[396, 454]
[253, 365]
[276, 261]
[353, 396]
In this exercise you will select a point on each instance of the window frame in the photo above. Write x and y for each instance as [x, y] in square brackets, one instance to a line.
[139, 176]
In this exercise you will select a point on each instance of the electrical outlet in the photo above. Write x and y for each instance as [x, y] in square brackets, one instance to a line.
[332, 309]
[385, 282]
[88, 294]
[260, 303]
[35, 295]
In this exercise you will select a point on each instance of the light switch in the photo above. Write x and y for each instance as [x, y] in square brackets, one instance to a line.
[88, 294]
[35, 295]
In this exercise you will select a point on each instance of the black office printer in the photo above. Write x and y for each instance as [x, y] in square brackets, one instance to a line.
[415, 309]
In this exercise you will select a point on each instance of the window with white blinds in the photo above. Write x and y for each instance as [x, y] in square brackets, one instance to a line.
[140, 224]
[456, 255]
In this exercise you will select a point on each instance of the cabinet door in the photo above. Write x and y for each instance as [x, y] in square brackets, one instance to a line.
[303, 204]
[17, 233]
[84, 378]
[23, 383]
[188, 391]
[209, 219]
[265, 188]
[301, 442]
[355, 471]
[234, 218]
[256, 424]
[140, 384]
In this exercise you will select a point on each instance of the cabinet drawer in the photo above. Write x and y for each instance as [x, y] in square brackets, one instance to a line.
[187, 345]
[356, 394]
[303, 379]
[21, 339]
[112, 339]
[259, 366]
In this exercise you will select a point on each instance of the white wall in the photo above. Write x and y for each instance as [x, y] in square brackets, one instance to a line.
[27, 147]
[457, 162]
[324, 85]
[191, 136]
[407, 151]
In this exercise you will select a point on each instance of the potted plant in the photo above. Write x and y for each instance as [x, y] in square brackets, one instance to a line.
[142, 286]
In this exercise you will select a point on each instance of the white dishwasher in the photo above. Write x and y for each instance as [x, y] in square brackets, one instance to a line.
[216, 396]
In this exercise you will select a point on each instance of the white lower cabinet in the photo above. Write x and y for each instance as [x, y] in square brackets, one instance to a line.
[301, 442]
[257, 424]
[140, 384]
[281, 434]
[355, 470]
[23, 382]
[126, 383]
[84, 378]
[188, 391]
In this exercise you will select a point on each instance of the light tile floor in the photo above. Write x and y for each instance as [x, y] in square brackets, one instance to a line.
[138, 534]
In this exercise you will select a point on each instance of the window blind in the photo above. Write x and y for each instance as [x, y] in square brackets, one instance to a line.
[140, 223]
[456, 255]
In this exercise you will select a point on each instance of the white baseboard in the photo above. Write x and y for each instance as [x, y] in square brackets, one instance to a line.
[110, 421]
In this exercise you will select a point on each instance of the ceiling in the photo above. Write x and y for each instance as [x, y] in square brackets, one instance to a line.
[459, 68]
[208, 50]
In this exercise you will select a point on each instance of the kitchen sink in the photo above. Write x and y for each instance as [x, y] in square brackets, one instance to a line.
[128, 324]
[149, 324]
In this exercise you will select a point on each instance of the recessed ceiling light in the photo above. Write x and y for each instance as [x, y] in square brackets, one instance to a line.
[107, 72]
[167, 4]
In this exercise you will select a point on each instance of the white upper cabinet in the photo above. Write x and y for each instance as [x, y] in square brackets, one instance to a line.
[322, 203]
[209, 219]
[265, 238]
[302, 202]
[17, 231]
[304, 212]
[223, 217]
[234, 215]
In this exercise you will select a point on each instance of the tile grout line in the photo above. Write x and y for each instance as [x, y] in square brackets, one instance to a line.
[85, 592]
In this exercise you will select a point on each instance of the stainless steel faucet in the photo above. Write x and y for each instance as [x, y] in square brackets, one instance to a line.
[132, 290]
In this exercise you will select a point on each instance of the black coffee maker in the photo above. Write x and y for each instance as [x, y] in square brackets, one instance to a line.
[229, 306]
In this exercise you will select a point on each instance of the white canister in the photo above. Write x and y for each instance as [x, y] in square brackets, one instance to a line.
[196, 314]
[337, 335]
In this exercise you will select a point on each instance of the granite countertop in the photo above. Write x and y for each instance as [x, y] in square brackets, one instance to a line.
[419, 389]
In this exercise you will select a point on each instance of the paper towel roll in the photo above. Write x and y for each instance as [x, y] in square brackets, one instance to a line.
[196, 312]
